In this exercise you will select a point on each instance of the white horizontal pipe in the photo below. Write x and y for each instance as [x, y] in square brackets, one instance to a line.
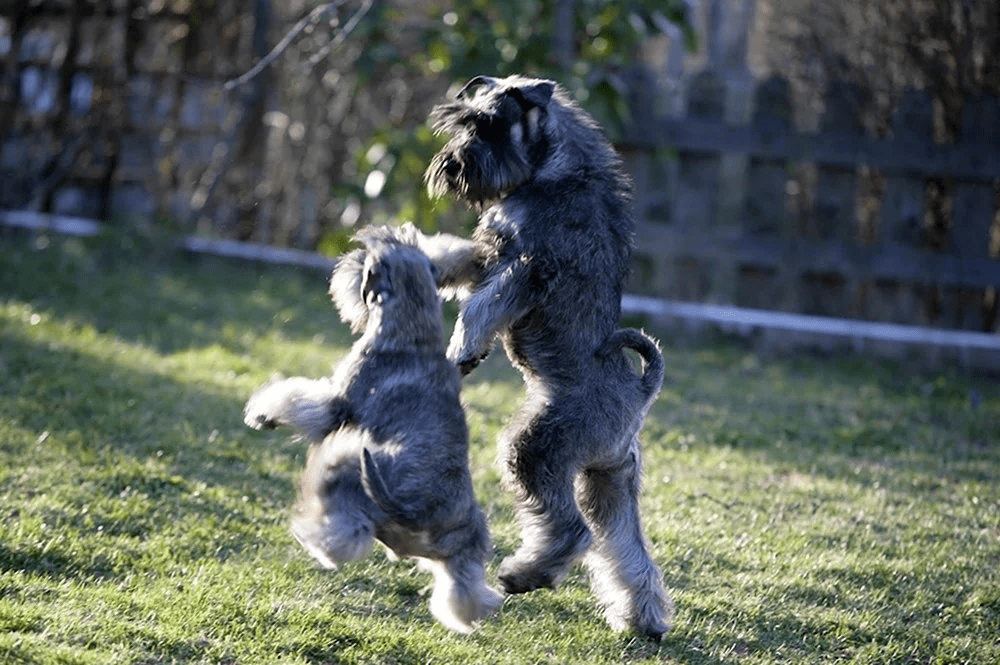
[62, 224]
[744, 320]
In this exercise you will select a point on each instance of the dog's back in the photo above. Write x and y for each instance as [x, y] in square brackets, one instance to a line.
[402, 390]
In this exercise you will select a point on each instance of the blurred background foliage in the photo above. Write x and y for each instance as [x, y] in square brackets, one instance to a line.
[115, 109]
[591, 47]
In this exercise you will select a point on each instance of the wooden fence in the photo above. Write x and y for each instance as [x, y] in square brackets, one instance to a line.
[833, 223]
[107, 111]
[115, 108]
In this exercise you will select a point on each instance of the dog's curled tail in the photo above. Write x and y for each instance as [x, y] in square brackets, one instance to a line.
[648, 350]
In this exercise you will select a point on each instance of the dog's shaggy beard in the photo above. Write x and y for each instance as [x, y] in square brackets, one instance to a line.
[484, 160]
[476, 172]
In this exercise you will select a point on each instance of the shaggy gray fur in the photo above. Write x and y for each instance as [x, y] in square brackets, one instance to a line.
[543, 273]
[389, 454]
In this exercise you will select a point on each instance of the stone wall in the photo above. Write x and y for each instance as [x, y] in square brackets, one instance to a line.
[118, 110]
[115, 109]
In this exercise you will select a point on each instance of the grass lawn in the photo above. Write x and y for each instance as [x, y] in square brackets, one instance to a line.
[803, 509]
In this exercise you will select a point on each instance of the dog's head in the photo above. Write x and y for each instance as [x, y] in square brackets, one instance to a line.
[499, 134]
[389, 288]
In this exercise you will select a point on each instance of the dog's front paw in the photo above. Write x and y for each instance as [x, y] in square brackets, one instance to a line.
[467, 347]
[259, 412]
[464, 358]
[465, 366]
[256, 417]
[259, 420]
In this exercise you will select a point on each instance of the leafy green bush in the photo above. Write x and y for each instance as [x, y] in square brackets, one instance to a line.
[593, 51]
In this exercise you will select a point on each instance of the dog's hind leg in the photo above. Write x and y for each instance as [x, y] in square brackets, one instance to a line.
[332, 518]
[623, 575]
[461, 597]
[540, 468]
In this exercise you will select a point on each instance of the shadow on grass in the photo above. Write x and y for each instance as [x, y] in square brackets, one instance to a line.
[106, 459]
[89, 406]
[121, 469]
[164, 299]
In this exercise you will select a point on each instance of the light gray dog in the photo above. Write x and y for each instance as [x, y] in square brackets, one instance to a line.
[544, 273]
[389, 458]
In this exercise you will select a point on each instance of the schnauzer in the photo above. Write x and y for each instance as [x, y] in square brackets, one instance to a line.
[544, 273]
[389, 454]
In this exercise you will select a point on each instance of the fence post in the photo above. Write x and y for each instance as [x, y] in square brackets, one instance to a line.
[901, 224]
[695, 206]
[765, 215]
[654, 170]
[973, 209]
[835, 207]
[727, 35]
[729, 23]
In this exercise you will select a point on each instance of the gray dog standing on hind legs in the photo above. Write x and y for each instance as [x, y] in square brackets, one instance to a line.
[389, 453]
[544, 273]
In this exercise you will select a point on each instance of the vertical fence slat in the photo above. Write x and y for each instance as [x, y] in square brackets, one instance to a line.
[834, 215]
[901, 223]
[698, 186]
[973, 209]
[765, 213]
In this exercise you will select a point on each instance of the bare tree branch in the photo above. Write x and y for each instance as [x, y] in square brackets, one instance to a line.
[339, 38]
[312, 18]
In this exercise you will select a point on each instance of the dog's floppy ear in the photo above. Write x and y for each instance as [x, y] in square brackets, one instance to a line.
[345, 289]
[376, 283]
[475, 83]
[536, 94]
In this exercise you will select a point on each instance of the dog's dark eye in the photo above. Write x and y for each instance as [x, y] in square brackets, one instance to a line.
[485, 123]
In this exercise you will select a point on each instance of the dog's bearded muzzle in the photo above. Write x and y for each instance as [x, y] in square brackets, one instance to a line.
[475, 171]
[445, 175]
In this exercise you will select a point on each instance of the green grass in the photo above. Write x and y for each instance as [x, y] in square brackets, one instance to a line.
[803, 509]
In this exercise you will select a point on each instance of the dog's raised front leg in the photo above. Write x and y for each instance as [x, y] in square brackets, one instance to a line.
[310, 406]
[455, 260]
[494, 306]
